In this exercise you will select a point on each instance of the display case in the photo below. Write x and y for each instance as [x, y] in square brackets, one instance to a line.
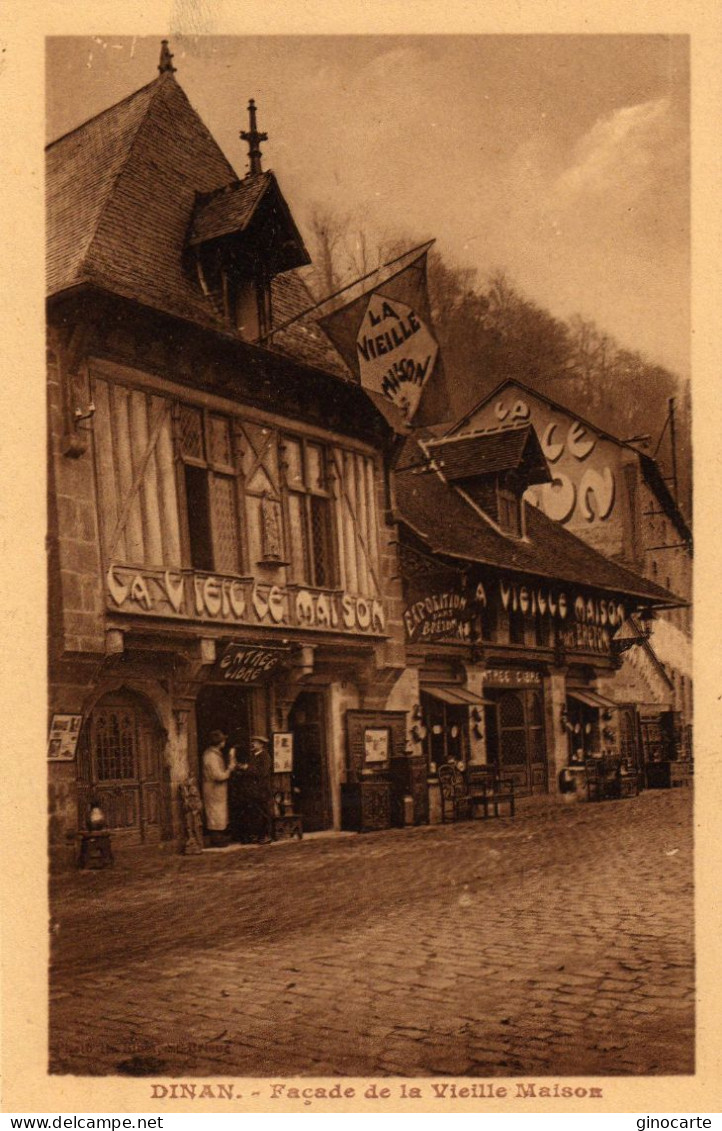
[375, 740]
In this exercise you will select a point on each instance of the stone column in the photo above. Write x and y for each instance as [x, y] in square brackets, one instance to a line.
[477, 729]
[555, 697]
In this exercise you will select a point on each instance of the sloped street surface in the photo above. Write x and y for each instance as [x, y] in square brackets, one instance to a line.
[557, 943]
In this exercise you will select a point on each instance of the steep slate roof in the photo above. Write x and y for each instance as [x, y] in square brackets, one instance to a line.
[303, 339]
[131, 219]
[82, 169]
[453, 527]
[121, 193]
[491, 452]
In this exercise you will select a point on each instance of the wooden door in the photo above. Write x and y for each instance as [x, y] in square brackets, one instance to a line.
[120, 766]
[310, 772]
[521, 745]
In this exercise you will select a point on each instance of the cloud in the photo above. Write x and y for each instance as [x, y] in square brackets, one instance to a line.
[621, 155]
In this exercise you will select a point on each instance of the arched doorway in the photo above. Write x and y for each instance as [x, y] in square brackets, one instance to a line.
[515, 738]
[310, 769]
[120, 764]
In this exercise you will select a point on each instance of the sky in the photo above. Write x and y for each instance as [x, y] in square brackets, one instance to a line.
[563, 160]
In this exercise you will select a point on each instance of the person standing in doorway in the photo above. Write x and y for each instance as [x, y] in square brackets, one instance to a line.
[215, 787]
[253, 794]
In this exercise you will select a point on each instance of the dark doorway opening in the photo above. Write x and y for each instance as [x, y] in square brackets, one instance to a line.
[219, 707]
[310, 770]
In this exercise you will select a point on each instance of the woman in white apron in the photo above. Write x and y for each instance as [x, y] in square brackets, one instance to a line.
[215, 787]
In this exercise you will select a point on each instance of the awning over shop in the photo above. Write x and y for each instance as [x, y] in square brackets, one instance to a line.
[458, 696]
[591, 699]
[652, 710]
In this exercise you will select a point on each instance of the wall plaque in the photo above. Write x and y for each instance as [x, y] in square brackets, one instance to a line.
[63, 737]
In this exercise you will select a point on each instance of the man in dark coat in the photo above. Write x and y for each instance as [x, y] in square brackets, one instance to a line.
[252, 795]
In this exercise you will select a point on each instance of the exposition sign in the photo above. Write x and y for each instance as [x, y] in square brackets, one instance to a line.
[444, 615]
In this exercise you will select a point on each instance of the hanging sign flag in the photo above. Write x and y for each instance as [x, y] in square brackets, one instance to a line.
[386, 337]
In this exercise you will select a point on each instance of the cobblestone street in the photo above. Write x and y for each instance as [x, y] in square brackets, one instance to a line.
[558, 943]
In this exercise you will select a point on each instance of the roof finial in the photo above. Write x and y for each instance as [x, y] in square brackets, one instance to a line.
[165, 67]
[254, 138]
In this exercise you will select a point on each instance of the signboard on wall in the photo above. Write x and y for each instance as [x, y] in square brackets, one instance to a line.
[63, 737]
[444, 615]
[587, 487]
[248, 663]
[358, 724]
[510, 677]
[214, 598]
[376, 745]
[282, 752]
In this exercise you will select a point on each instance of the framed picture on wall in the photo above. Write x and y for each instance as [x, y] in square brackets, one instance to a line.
[63, 737]
[282, 752]
[376, 745]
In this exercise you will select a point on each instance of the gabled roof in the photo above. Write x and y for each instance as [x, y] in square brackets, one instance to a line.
[121, 191]
[227, 210]
[236, 210]
[450, 525]
[649, 466]
[517, 384]
[490, 453]
[122, 199]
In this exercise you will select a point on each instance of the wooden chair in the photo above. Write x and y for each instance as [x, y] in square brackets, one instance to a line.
[455, 800]
[593, 779]
[488, 790]
[628, 780]
[602, 778]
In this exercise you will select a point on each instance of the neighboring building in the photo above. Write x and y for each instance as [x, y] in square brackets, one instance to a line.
[515, 627]
[613, 496]
[220, 552]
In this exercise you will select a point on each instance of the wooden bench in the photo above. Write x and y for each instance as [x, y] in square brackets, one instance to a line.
[481, 790]
[488, 790]
[609, 778]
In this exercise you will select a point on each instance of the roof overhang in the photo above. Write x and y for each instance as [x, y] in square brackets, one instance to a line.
[251, 219]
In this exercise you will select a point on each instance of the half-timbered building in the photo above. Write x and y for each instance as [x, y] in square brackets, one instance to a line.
[221, 555]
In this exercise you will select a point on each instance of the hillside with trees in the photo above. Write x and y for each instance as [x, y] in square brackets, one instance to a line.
[489, 330]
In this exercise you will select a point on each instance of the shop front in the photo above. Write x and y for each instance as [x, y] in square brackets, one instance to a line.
[593, 726]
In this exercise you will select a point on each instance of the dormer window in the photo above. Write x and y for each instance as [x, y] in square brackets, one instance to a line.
[249, 308]
[509, 510]
[242, 235]
[494, 468]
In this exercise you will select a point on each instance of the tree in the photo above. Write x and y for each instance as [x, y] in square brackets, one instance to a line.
[489, 330]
